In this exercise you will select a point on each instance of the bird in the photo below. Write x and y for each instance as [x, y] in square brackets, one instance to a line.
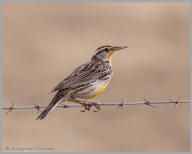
[86, 81]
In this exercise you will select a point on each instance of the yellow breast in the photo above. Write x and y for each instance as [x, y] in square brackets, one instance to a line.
[100, 90]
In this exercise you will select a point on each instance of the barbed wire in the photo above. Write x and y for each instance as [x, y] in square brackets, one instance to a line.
[121, 104]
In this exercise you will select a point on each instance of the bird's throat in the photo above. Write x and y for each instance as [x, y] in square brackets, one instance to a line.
[110, 55]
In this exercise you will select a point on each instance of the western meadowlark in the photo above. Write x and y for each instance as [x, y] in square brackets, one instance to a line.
[85, 82]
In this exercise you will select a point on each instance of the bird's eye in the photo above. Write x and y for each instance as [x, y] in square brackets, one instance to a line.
[106, 49]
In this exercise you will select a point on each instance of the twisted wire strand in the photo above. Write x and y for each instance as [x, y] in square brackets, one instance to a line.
[122, 103]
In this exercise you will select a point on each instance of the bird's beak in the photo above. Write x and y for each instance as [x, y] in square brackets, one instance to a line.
[119, 48]
[114, 51]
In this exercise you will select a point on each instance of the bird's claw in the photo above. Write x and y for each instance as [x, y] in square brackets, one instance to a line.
[87, 107]
[97, 107]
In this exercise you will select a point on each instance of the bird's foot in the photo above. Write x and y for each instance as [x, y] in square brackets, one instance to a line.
[96, 106]
[86, 106]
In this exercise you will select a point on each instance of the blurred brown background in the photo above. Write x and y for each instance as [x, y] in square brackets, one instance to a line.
[44, 42]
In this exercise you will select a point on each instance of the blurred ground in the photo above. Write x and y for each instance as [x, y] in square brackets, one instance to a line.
[44, 42]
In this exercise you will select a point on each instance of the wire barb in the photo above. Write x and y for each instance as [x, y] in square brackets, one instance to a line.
[37, 107]
[121, 104]
[175, 102]
[65, 106]
[10, 108]
[147, 102]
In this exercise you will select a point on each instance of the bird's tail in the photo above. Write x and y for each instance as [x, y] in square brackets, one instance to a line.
[56, 100]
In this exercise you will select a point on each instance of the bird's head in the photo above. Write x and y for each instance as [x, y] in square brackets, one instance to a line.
[105, 53]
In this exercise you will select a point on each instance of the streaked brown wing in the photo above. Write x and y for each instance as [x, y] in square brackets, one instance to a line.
[81, 75]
